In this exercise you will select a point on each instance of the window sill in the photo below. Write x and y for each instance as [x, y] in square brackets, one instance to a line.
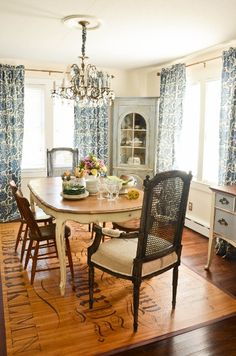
[33, 172]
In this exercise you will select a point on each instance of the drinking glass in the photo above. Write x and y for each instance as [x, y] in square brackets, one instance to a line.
[110, 187]
[101, 184]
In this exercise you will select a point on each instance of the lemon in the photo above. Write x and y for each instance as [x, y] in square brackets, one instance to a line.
[133, 194]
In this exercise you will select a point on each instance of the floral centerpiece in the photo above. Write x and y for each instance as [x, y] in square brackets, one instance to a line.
[92, 165]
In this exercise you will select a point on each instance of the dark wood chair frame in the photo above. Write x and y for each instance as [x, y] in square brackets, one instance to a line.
[23, 229]
[38, 234]
[145, 253]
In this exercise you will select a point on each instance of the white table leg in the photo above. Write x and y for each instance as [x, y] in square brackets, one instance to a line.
[211, 249]
[211, 242]
[60, 241]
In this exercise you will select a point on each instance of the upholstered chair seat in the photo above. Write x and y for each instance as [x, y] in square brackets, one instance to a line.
[118, 255]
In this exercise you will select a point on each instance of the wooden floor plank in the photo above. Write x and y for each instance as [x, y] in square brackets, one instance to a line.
[49, 312]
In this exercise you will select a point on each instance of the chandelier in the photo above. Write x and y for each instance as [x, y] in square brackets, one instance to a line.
[89, 87]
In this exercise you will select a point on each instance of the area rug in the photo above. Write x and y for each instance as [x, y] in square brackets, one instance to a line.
[39, 321]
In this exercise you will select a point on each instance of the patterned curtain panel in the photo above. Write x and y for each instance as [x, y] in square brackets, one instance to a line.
[227, 149]
[173, 82]
[91, 131]
[227, 133]
[11, 135]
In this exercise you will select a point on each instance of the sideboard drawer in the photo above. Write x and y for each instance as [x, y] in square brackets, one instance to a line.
[225, 224]
[225, 201]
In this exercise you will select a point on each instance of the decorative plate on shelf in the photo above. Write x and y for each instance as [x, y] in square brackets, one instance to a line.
[75, 196]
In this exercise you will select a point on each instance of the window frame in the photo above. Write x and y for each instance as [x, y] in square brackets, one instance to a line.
[202, 76]
[46, 84]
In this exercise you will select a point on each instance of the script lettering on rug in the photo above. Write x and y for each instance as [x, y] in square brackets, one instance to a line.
[23, 330]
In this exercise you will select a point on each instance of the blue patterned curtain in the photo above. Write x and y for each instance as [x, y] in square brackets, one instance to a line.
[91, 131]
[172, 90]
[227, 134]
[11, 135]
[227, 149]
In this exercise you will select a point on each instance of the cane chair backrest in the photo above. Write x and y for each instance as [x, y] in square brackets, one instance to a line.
[163, 214]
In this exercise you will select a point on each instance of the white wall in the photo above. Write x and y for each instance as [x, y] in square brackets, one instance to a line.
[145, 82]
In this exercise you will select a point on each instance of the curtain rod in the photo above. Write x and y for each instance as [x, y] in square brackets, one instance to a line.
[49, 71]
[200, 62]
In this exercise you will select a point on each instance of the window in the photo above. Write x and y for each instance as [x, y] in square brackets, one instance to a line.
[187, 156]
[47, 123]
[199, 142]
[34, 139]
[211, 132]
[63, 123]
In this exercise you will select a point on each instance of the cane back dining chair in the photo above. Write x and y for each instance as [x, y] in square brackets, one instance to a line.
[22, 235]
[61, 159]
[39, 234]
[156, 247]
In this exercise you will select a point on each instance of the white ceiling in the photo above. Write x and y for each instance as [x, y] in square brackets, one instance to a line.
[133, 34]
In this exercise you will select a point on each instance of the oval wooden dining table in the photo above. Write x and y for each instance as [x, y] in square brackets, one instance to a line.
[46, 193]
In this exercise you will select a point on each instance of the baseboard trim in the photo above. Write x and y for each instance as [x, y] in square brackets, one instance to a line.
[196, 226]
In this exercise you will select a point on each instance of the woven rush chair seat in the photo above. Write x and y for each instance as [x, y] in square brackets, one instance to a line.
[156, 246]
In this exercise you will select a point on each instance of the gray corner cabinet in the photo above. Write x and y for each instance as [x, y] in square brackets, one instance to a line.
[134, 136]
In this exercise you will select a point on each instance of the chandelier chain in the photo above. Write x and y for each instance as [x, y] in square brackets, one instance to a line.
[89, 87]
[84, 37]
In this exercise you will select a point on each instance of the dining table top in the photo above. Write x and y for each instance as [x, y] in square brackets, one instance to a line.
[47, 194]
[48, 191]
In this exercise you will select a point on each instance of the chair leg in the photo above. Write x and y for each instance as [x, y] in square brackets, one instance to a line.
[34, 262]
[18, 238]
[92, 230]
[91, 283]
[92, 234]
[70, 260]
[24, 243]
[174, 285]
[28, 253]
[136, 289]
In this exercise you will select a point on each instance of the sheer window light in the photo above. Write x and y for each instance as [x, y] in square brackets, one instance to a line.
[33, 143]
[187, 155]
[63, 123]
[211, 131]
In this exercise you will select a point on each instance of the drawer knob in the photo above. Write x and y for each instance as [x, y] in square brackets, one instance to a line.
[222, 222]
[224, 201]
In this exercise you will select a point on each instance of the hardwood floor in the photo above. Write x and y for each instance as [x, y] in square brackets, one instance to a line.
[212, 340]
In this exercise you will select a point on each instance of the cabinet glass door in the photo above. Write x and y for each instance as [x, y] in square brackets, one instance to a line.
[133, 139]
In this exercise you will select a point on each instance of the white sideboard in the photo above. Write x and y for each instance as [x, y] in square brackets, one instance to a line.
[223, 218]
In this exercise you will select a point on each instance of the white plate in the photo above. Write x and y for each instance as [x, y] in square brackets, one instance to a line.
[75, 197]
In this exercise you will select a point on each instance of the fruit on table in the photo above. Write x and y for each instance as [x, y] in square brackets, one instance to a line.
[133, 194]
